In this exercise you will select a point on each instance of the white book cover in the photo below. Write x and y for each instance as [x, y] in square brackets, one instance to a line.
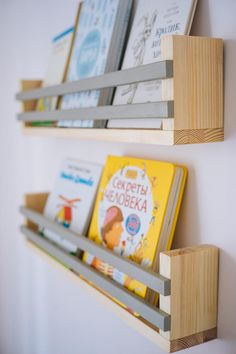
[153, 19]
[71, 201]
[97, 49]
[55, 72]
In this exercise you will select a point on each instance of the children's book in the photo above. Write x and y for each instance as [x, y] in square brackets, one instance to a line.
[71, 201]
[135, 215]
[56, 70]
[153, 19]
[97, 49]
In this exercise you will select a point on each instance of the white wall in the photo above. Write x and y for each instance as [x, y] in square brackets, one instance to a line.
[41, 310]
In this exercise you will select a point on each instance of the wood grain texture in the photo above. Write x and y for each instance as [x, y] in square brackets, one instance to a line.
[198, 81]
[195, 339]
[198, 136]
[29, 106]
[194, 284]
[35, 201]
[29, 85]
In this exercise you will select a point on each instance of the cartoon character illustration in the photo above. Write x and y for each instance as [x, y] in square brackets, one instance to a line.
[112, 228]
[144, 170]
[154, 211]
[139, 48]
[111, 235]
[154, 182]
[64, 215]
[122, 167]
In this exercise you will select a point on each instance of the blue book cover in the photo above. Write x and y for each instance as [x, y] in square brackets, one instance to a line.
[101, 27]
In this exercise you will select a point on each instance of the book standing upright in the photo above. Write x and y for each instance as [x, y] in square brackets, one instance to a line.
[97, 49]
[71, 201]
[153, 19]
[135, 215]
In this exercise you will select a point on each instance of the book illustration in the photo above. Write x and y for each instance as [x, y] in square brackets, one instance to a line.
[123, 225]
[56, 68]
[135, 214]
[64, 215]
[111, 233]
[139, 48]
[133, 205]
[154, 212]
[71, 201]
[97, 48]
[152, 20]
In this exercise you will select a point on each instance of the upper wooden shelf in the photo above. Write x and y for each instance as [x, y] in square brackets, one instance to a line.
[191, 109]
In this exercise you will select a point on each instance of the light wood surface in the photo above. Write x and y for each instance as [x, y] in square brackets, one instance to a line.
[144, 136]
[194, 284]
[197, 86]
[26, 85]
[190, 341]
[198, 136]
[35, 201]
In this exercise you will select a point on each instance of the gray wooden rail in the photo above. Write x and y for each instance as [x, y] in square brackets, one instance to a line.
[159, 70]
[152, 314]
[155, 71]
[151, 279]
[164, 109]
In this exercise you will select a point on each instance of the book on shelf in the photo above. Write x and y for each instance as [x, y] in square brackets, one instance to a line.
[152, 20]
[135, 214]
[56, 70]
[97, 49]
[71, 201]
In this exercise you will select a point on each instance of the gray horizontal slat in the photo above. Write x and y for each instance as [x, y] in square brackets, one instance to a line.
[159, 70]
[145, 276]
[163, 109]
[155, 316]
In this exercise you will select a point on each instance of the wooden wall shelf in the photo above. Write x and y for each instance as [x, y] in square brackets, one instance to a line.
[188, 283]
[144, 136]
[191, 109]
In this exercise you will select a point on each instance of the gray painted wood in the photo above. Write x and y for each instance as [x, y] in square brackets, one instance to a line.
[151, 279]
[164, 109]
[148, 72]
[152, 314]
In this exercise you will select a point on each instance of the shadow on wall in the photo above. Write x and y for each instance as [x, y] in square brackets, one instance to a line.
[202, 20]
[229, 88]
[202, 26]
[188, 218]
[227, 294]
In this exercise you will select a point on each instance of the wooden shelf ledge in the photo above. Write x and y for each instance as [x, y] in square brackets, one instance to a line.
[156, 137]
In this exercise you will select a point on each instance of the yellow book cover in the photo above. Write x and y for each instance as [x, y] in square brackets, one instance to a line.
[135, 214]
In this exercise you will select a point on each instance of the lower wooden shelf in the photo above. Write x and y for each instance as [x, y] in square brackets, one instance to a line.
[137, 324]
[141, 136]
[191, 303]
